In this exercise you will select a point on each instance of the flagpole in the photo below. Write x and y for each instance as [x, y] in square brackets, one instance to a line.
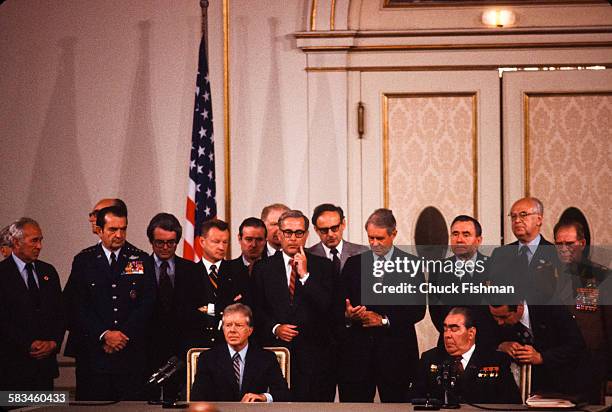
[226, 120]
[204, 6]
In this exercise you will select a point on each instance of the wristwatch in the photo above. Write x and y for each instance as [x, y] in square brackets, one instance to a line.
[385, 321]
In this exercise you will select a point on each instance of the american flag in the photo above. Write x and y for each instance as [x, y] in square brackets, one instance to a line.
[201, 197]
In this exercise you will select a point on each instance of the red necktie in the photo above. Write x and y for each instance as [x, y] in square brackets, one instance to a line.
[292, 279]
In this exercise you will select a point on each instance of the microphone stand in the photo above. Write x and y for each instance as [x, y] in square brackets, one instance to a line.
[448, 380]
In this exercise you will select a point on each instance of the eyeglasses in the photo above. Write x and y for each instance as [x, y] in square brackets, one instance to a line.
[298, 233]
[162, 243]
[325, 230]
[521, 215]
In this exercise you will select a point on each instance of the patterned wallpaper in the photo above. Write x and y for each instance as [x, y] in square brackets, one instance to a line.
[570, 159]
[430, 158]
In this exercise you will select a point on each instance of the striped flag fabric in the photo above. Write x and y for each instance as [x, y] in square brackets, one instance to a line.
[201, 196]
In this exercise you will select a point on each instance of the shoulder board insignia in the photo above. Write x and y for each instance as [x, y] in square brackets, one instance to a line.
[88, 249]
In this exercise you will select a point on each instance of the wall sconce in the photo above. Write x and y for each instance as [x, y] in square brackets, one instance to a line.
[498, 18]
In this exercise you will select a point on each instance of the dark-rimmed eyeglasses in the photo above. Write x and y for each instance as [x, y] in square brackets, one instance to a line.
[298, 233]
[325, 230]
[162, 243]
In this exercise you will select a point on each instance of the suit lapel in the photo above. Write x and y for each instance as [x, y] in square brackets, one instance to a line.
[251, 366]
[226, 367]
[17, 279]
[346, 253]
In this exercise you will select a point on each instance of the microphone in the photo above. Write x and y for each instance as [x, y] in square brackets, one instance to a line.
[169, 365]
[180, 365]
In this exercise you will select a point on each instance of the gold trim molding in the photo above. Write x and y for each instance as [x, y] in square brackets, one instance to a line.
[313, 15]
[464, 46]
[441, 68]
[385, 128]
[226, 118]
[332, 16]
[371, 34]
[399, 4]
[526, 135]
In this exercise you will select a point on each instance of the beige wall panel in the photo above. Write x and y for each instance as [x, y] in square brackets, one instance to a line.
[269, 108]
[97, 102]
[327, 142]
[557, 145]
[431, 158]
[570, 160]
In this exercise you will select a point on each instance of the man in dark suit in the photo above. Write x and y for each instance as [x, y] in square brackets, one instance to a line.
[31, 313]
[482, 374]
[270, 215]
[329, 223]
[378, 347]
[252, 236]
[292, 296]
[467, 265]
[238, 370]
[546, 337]
[114, 291]
[530, 264]
[217, 287]
[175, 277]
[73, 340]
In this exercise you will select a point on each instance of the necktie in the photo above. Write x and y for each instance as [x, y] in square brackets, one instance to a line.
[236, 360]
[523, 334]
[165, 287]
[32, 287]
[458, 366]
[113, 263]
[214, 278]
[335, 260]
[292, 279]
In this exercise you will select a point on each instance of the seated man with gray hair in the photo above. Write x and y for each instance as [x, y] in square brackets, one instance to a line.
[237, 370]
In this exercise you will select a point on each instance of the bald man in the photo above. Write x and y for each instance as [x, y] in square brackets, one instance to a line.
[102, 203]
[530, 264]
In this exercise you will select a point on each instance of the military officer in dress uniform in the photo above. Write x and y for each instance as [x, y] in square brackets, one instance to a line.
[115, 293]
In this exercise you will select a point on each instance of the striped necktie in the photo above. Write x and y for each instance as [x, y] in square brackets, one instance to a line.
[236, 360]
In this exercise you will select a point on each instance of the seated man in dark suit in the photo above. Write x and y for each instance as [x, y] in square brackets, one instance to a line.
[482, 375]
[31, 313]
[546, 337]
[238, 371]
